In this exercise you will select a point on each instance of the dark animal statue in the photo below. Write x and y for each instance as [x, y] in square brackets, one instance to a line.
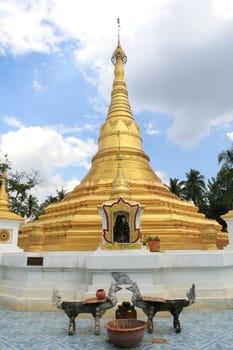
[151, 305]
[92, 306]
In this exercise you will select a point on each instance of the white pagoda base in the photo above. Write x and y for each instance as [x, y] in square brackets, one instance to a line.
[28, 279]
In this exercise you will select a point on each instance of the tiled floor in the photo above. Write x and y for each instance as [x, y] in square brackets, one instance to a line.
[49, 331]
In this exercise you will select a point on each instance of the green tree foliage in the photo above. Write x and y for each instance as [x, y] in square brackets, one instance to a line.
[220, 195]
[220, 189]
[177, 187]
[31, 206]
[214, 199]
[226, 157]
[19, 186]
[195, 188]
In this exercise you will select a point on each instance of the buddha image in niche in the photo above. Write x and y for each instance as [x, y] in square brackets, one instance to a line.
[121, 229]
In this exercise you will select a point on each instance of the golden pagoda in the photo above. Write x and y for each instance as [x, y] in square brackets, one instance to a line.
[120, 171]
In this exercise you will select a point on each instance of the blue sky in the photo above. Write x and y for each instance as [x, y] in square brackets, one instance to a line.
[56, 80]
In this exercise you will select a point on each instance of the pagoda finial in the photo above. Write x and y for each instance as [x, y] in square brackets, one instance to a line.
[119, 53]
[118, 23]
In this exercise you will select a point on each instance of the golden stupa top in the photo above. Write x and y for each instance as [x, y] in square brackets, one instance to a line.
[5, 212]
[120, 162]
[119, 117]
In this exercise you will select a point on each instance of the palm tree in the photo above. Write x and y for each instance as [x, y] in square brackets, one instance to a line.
[177, 187]
[61, 193]
[226, 157]
[195, 187]
[32, 206]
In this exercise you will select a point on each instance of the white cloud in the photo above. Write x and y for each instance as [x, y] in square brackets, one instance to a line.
[12, 121]
[184, 52]
[223, 8]
[230, 135]
[26, 27]
[187, 70]
[36, 85]
[53, 183]
[44, 149]
[151, 129]
[71, 184]
[163, 176]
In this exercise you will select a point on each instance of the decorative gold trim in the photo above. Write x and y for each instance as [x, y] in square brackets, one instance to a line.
[4, 235]
[120, 246]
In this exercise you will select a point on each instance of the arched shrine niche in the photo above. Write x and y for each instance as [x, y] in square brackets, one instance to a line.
[121, 227]
[120, 222]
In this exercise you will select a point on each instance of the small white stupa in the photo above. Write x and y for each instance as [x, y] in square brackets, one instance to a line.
[9, 222]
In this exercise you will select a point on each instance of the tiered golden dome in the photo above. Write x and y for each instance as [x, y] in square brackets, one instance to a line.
[120, 168]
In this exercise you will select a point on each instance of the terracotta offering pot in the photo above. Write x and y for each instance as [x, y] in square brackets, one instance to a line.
[125, 333]
[100, 294]
[154, 246]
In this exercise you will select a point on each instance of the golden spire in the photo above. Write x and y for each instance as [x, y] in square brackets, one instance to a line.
[4, 200]
[119, 116]
[119, 165]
